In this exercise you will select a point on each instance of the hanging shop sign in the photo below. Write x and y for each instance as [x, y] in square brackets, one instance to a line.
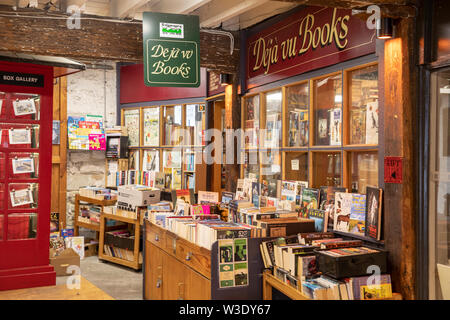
[311, 38]
[171, 50]
[393, 170]
[21, 79]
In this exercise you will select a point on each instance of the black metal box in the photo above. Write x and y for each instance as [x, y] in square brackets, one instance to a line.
[351, 265]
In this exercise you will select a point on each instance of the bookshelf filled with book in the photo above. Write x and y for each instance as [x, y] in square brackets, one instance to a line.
[93, 208]
[324, 136]
[166, 139]
[121, 246]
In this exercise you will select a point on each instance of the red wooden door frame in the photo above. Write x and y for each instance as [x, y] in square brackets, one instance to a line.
[25, 263]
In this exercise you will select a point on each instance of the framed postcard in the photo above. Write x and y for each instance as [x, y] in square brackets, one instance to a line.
[151, 160]
[23, 165]
[172, 159]
[132, 122]
[24, 107]
[151, 126]
[56, 134]
[19, 136]
[21, 197]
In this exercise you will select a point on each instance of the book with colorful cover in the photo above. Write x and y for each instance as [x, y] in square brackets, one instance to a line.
[306, 267]
[255, 194]
[327, 198]
[358, 214]
[300, 186]
[310, 200]
[288, 190]
[320, 219]
[77, 244]
[97, 142]
[373, 212]
[198, 209]
[183, 194]
[227, 196]
[342, 210]
[364, 289]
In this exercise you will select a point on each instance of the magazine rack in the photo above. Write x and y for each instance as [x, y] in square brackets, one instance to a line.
[26, 103]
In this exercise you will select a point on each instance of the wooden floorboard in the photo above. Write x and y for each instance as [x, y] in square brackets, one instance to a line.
[87, 291]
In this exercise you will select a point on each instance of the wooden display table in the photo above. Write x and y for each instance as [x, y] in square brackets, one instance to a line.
[270, 281]
[87, 291]
[137, 262]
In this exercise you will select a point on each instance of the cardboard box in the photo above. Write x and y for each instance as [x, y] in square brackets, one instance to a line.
[137, 198]
[67, 258]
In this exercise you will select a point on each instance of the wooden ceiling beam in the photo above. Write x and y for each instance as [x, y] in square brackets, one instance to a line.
[99, 38]
[389, 8]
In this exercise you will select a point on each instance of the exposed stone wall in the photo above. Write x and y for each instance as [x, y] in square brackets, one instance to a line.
[89, 92]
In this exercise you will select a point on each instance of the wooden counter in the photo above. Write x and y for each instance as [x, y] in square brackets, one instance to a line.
[174, 268]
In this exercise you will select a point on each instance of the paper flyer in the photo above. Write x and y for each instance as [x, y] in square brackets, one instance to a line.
[233, 262]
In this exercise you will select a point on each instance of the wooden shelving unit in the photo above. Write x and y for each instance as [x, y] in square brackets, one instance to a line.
[271, 282]
[90, 226]
[359, 237]
[136, 263]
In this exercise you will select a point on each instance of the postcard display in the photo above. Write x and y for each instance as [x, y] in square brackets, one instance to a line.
[26, 97]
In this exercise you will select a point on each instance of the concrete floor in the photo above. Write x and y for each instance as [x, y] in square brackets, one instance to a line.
[119, 282]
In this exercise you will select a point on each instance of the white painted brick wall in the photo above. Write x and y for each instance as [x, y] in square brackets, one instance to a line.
[89, 92]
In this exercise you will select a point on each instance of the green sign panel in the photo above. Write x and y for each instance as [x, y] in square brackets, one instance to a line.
[171, 50]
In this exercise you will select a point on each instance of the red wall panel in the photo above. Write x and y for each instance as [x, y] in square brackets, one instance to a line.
[133, 89]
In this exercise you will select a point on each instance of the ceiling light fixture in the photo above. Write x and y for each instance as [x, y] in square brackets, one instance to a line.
[385, 28]
[225, 79]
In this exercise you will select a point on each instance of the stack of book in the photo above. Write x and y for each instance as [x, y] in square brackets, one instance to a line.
[117, 130]
[353, 288]
[152, 179]
[120, 244]
[294, 260]
[90, 214]
[98, 193]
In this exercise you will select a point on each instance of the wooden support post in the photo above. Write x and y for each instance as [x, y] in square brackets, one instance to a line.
[399, 212]
[232, 121]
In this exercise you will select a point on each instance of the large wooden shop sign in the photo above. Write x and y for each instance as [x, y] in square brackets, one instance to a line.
[311, 38]
[171, 50]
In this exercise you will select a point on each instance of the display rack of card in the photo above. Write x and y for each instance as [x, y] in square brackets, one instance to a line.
[20, 139]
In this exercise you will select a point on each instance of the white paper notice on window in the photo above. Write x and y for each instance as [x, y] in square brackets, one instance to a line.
[295, 165]
[445, 90]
